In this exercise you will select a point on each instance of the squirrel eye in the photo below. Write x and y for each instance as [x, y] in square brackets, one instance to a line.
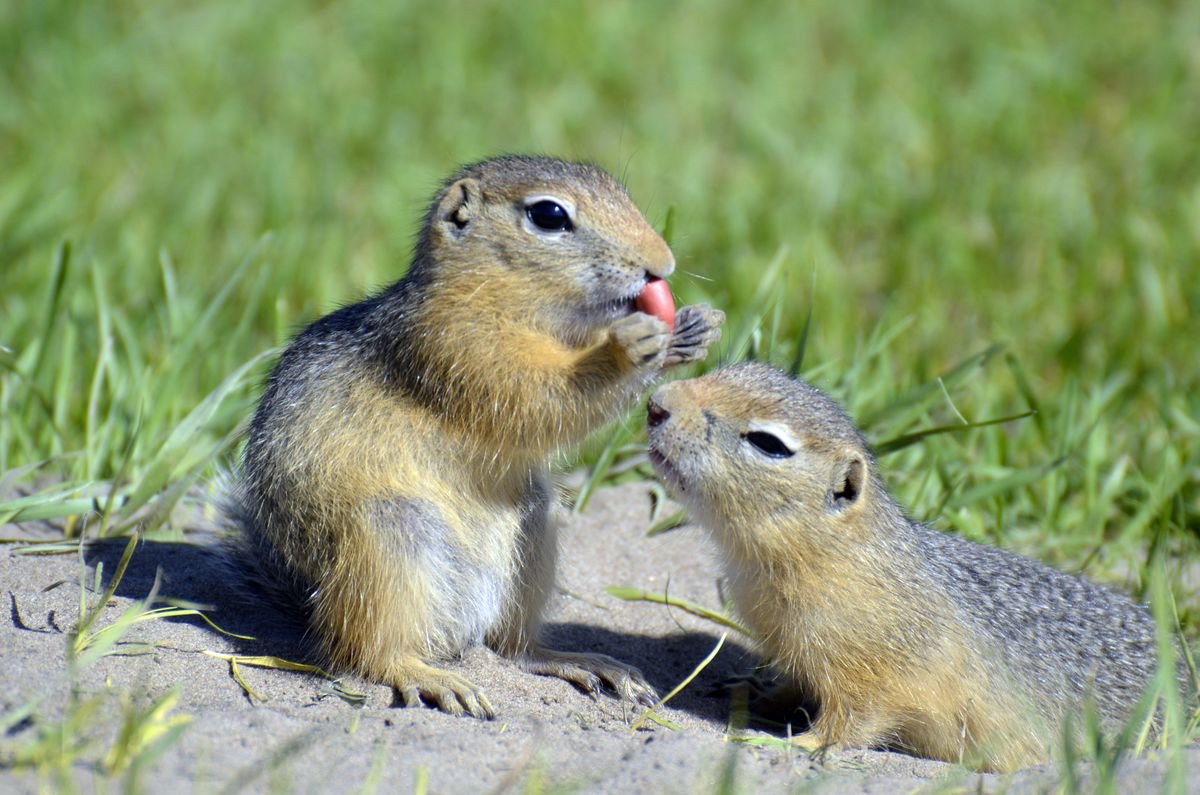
[549, 216]
[768, 444]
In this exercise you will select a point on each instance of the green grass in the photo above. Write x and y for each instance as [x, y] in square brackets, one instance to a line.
[876, 192]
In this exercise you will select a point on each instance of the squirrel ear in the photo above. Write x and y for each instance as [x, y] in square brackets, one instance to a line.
[458, 207]
[849, 477]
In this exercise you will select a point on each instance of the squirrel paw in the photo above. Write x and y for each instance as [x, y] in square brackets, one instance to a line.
[418, 683]
[753, 684]
[814, 744]
[591, 673]
[642, 337]
[696, 328]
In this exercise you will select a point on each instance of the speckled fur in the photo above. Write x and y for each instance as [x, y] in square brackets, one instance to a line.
[905, 636]
[394, 477]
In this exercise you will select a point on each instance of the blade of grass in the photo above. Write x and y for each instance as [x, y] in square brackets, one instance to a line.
[143, 730]
[638, 595]
[668, 227]
[687, 680]
[801, 345]
[1026, 389]
[915, 402]
[119, 478]
[1003, 485]
[908, 439]
[58, 279]
[38, 507]
[32, 391]
[667, 523]
[603, 463]
[278, 663]
[163, 465]
[88, 618]
[200, 332]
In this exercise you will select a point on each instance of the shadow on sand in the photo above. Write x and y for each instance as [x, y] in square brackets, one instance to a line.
[204, 576]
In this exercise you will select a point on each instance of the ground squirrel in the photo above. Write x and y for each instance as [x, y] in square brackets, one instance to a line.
[903, 636]
[394, 478]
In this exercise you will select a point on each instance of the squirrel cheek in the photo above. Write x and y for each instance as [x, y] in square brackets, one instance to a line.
[655, 299]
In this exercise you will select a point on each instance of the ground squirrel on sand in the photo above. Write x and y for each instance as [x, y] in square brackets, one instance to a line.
[394, 477]
[903, 636]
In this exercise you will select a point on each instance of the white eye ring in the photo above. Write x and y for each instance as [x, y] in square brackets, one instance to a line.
[538, 223]
[771, 439]
[776, 429]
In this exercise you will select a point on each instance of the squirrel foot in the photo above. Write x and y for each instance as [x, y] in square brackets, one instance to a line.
[591, 673]
[696, 328]
[760, 682]
[419, 683]
[809, 741]
[815, 745]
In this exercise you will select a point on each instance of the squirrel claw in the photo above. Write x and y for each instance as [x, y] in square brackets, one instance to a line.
[817, 749]
[451, 693]
[697, 327]
[645, 696]
[593, 673]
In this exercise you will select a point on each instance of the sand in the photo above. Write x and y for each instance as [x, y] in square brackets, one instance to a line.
[547, 736]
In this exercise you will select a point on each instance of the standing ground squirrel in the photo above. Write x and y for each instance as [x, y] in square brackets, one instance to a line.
[394, 477]
[904, 636]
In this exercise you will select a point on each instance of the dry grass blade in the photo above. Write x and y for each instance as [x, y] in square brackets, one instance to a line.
[250, 692]
[639, 595]
[176, 612]
[649, 713]
[278, 663]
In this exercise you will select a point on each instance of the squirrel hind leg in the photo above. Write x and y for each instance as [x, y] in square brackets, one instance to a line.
[516, 635]
[590, 673]
[418, 683]
[392, 598]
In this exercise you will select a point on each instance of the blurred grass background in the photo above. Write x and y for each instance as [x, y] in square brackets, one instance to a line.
[889, 189]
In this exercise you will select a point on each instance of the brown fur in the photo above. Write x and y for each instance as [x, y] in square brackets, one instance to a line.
[395, 475]
[904, 637]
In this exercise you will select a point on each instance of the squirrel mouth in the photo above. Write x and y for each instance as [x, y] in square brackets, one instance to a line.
[665, 469]
[575, 324]
[620, 307]
[604, 313]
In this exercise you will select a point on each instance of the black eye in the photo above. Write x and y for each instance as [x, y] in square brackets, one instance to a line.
[549, 216]
[768, 444]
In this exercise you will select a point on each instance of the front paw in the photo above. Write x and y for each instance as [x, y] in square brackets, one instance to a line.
[642, 338]
[697, 327]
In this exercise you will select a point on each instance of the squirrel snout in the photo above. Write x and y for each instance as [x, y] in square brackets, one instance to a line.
[665, 265]
[657, 257]
[655, 414]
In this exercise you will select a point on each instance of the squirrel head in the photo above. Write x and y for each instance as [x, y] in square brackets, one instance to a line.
[764, 458]
[561, 243]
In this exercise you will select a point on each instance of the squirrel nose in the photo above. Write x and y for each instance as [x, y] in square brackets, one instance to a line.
[658, 259]
[655, 414]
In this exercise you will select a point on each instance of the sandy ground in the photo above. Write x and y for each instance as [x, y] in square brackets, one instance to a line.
[547, 736]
